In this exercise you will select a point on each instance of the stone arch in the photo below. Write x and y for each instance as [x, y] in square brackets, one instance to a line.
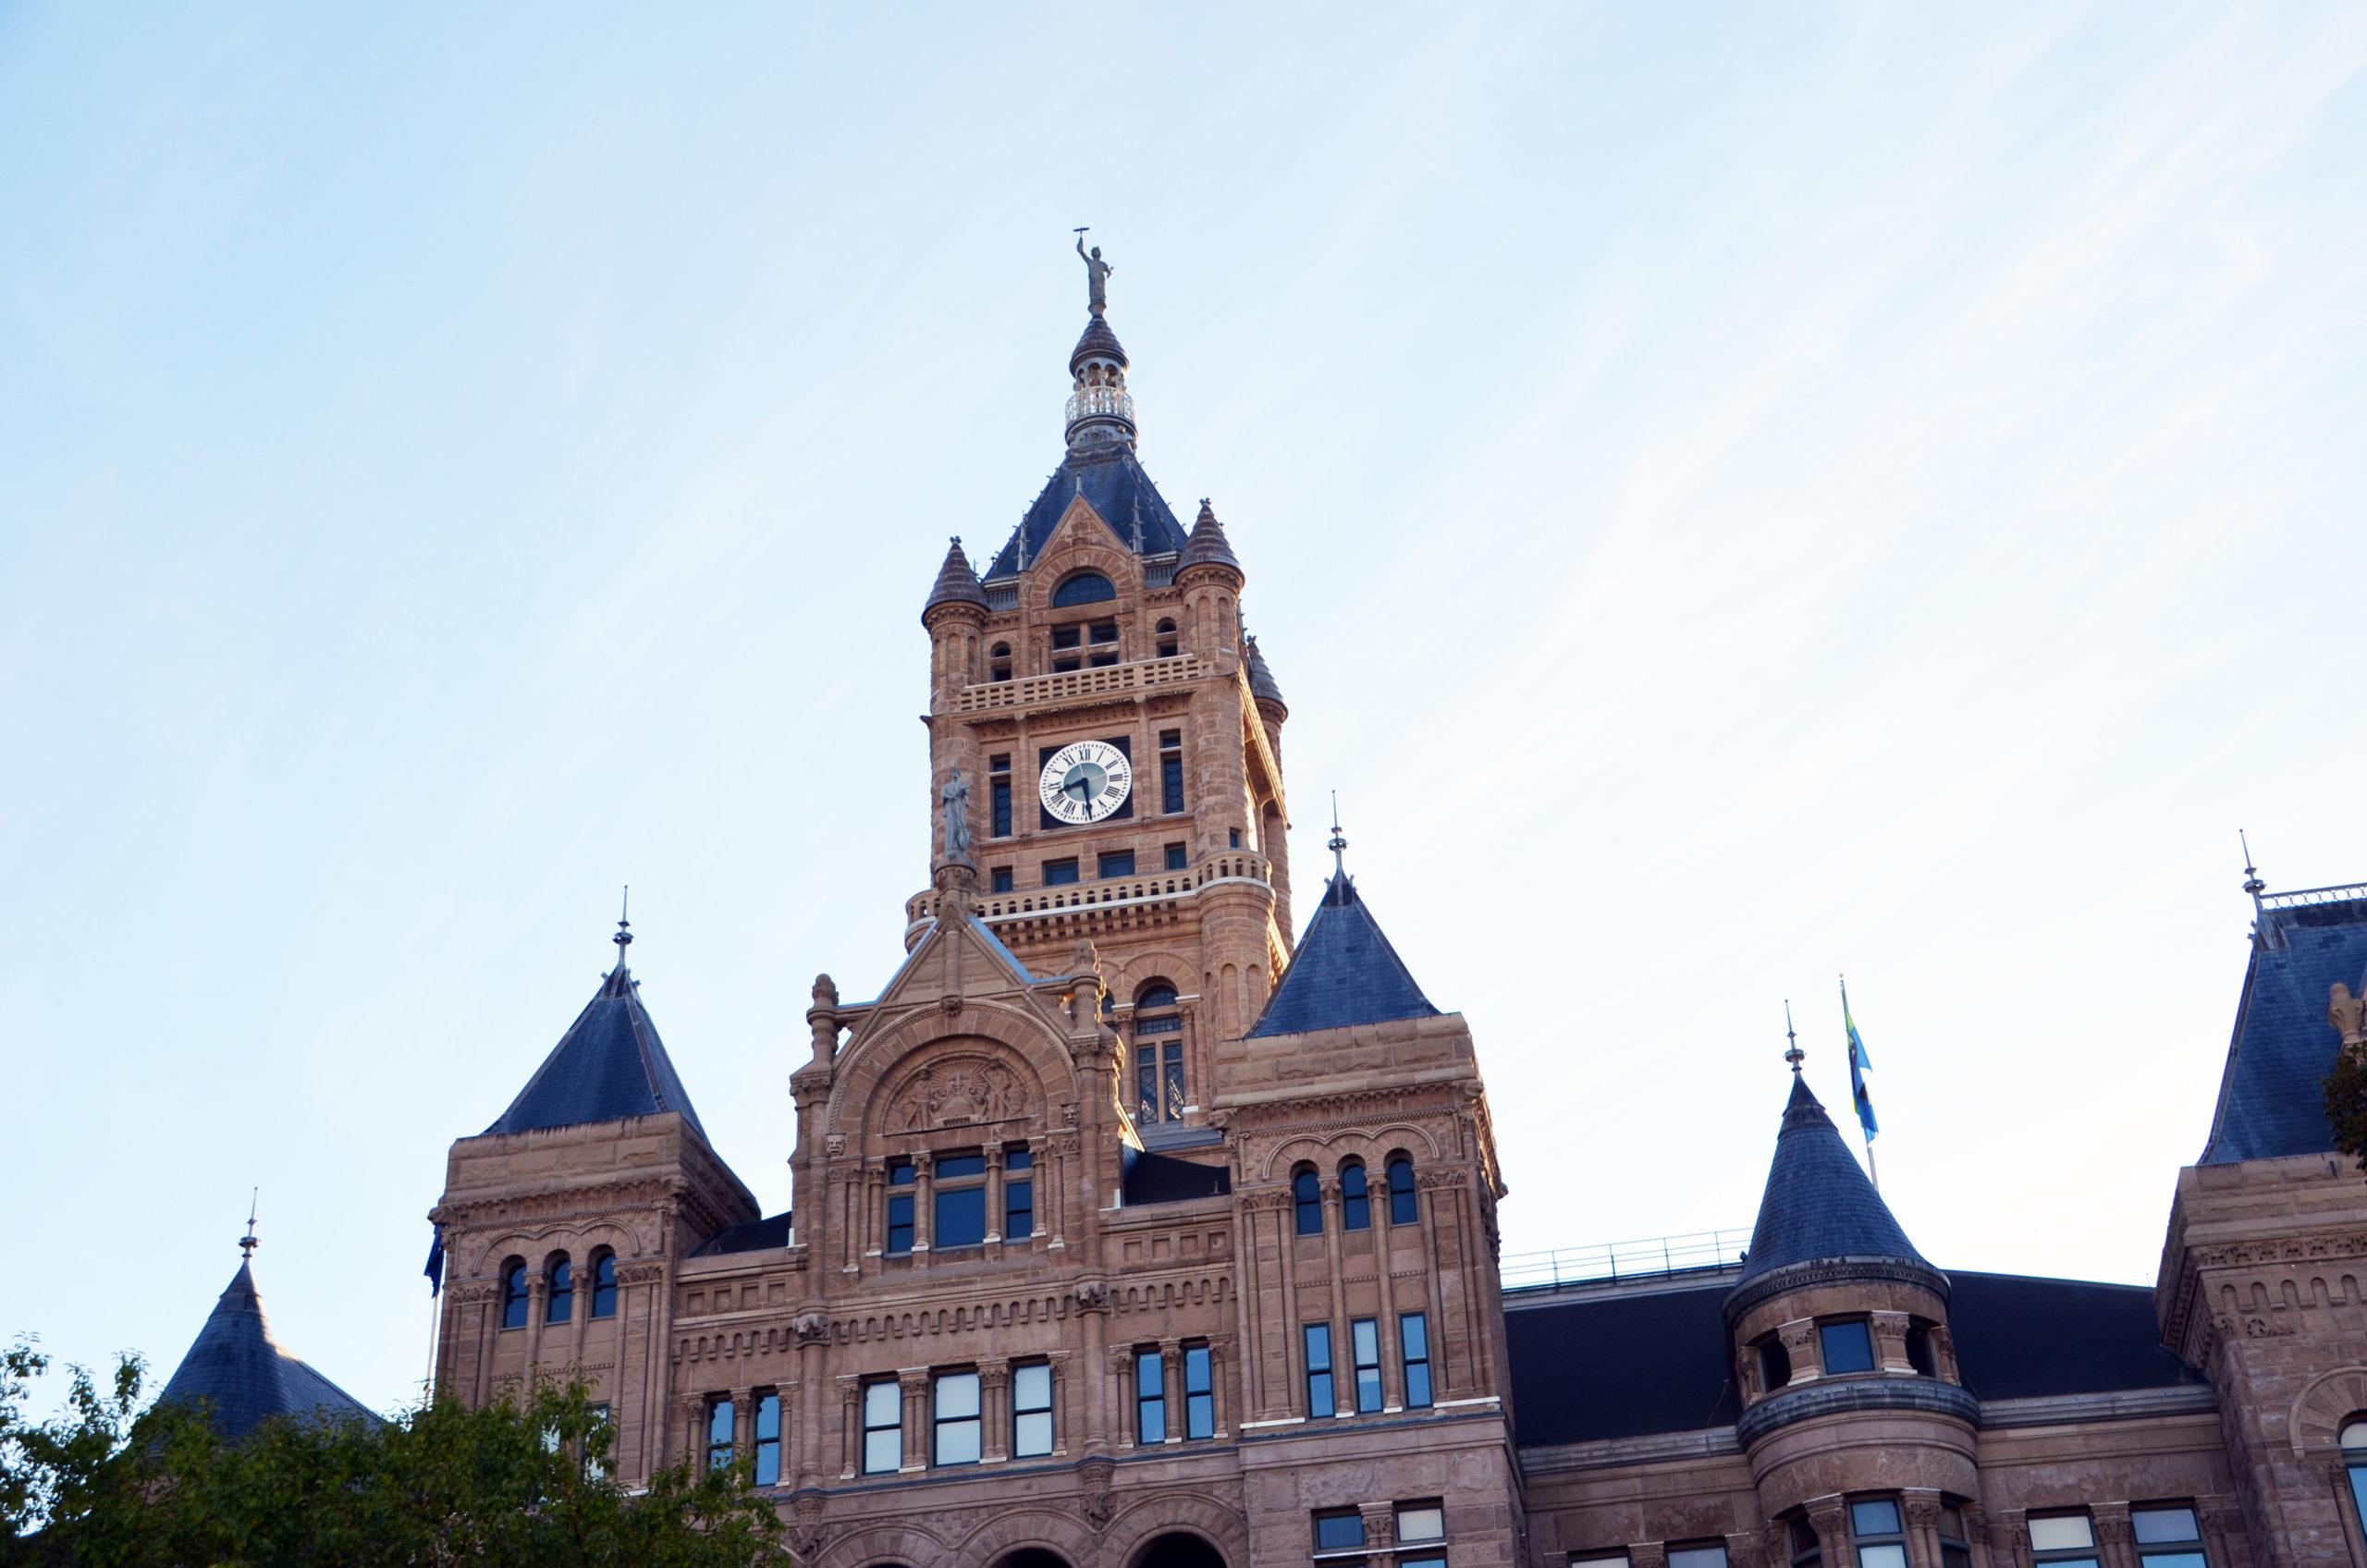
[961, 1080]
[885, 1546]
[1146, 1526]
[1373, 1145]
[2324, 1404]
[1027, 1538]
[569, 1236]
[865, 1067]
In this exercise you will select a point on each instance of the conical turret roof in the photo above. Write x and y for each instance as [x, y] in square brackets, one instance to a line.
[957, 584]
[1820, 1208]
[609, 1065]
[1262, 683]
[1099, 342]
[1207, 545]
[1342, 972]
[241, 1372]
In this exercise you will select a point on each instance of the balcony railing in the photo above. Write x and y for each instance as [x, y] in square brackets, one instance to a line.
[1087, 402]
[1076, 899]
[1072, 685]
[1652, 1257]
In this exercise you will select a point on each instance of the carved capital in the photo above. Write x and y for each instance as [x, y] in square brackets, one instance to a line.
[913, 1380]
[1265, 1199]
[1648, 1554]
[2348, 1014]
[1434, 1180]
[1094, 1477]
[641, 1273]
[2114, 1529]
[808, 1535]
[1922, 1514]
[994, 1375]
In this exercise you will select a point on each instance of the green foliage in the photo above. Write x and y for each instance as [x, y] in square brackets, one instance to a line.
[2345, 1089]
[521, 1482]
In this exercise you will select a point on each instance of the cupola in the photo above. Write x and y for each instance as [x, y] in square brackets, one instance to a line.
[1100, 410]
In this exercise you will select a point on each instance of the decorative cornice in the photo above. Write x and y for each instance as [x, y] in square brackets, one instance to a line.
[1836, 1396]
[1831, 1272]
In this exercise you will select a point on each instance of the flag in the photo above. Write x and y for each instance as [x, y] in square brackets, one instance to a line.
[1860, 1065]
[434, 1269]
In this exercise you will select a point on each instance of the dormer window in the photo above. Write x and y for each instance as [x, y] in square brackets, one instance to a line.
[1084, 588]
[1848, 1343]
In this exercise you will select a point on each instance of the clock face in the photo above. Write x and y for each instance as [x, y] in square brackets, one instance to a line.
[1086, 782]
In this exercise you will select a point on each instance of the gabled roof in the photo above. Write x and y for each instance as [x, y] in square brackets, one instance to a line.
[1819, 1204]
[1344, 972]
[2271, 1103]
[609, 1065]
[241, 1371]
[1113, 484]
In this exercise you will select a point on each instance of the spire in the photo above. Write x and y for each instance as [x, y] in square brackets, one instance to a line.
[956, 582]
[240, 1373]
[1819, 1213]
[1337, 843]
[1207, 545]
[1792, 1052]
[1100, 410]
[609, 1065]
[1262, 685]
[618, 981]
[247, 1244]
[2252, 883]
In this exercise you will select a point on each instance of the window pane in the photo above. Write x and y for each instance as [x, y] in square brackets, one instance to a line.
[1031, 1387]
[1413, 1332]
[2354, 1434]
[2189, 1558]
[900, 1223]
[718, 1423]
[1888, 1554]
[1421, 1524]
[1878, 1517]
[1697, 1557]
[1031, 1435]
[1307, 1199]
[1176, 859]
[1199, 1416]
[956, 1167]
[1175, 1082]
[1059, 873]
[957, 1441]
[1355, 1201]
[2061, 1532]
[882, 1450]
[2358, 1489]
[1019, 1209]
[769, 1417]
[880, 1404]
[1417, 1385]
[1421, 1562]
[1119, 862]
[1401, 1193]
[961, 1217]
[2155, 1525]
[1955, 1556]
[1335, 1531]
[1601, 1559]
[957, 1394]
[1848, 1347]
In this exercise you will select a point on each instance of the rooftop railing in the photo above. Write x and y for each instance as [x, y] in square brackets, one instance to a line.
[2343, 893]
[1650, 1257]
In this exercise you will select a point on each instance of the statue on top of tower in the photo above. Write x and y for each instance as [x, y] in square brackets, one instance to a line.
[1097, 276]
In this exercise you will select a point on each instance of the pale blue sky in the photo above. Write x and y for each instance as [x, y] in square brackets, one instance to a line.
[1732, 496]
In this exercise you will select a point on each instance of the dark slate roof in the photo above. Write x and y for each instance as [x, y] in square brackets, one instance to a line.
[2022, 1338]
[2270, 1100]
[608, 1064]
[1261, 678]
[1208, 546]
[1620, 1364]
[1344, 972]
[1818, 1202]
[1158, 1178]
[241, 1371]
[1597, 1362]
[956, 582]
[1099, 341]
[769, 1235]
[1112, 482]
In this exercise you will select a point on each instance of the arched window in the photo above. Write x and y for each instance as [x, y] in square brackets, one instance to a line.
[1402, 1210]
[2354, 1458]
[513, 1293]
[1168, 645]
[1158, 1054]
[998, 662]
[560, 1304]
[1084, 588]
[604, 1285]
[1307, 1197]
[1356, 1204]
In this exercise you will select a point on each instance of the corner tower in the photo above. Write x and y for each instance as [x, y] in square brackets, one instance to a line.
[1119, 739]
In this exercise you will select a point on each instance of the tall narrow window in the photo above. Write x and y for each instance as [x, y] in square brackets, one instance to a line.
[1167, 641]
[1170, 770]
[2167, 1536]
[604, 1285]
[1800, 1540]
[899, 1206]
[958, 1207]
[1320, 1401]
[2354, 1459]
[1422, 1526]
[1199, 1393]
[998, 793]
[1955, 1545]
[1878, 1533]
[598, 1446]
[560, 1304]
[1158, 1054]
[1848, 1343]
[2065, 1541]
[1018, 1194]
[883, 1428]
[1355, 1201]
[1402, 1210]
[1774, 1363]
[1150, 1398]
[1031, 1411]
[513, 1295]
[1306, 1202]
[719, 1419]
[1364, 1340]
[998, 662]
[768, 1439]
[1414, 1345]
[954, 1399]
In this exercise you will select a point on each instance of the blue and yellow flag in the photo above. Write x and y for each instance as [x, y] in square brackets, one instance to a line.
[1860, 1065]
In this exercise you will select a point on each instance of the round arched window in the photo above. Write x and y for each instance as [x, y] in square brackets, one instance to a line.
[2354, 1435]
[513, 1294]
[1084, 588]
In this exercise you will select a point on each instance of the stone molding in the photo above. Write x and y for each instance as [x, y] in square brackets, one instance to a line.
[1836, 1396]
[1831, 1272]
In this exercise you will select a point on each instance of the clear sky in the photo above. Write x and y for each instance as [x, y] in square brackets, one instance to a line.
[1732, 496]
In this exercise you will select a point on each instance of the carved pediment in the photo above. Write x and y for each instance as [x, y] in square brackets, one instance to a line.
[959, 1091]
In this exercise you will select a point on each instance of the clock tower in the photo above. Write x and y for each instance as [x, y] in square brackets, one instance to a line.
[1119, 737]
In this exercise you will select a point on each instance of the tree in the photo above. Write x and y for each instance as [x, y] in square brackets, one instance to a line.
[521, 1481]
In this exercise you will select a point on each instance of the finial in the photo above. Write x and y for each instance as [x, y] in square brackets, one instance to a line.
[623, 938]
[1337, 843]
[2252, 883]
[1792, 1052]
[247, 1244]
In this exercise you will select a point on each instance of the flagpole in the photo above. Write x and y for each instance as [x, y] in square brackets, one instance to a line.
[1856, 1079]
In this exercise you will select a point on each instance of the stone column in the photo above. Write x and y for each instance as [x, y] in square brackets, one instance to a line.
[537, 1289]
[924, 1205]
[2222, 1523]
[1829, 1518]
[1171, 1383]
[1093, 1304]
[914, 1382]
[1380, 1527]
[994, 1411]
[1976, 1533]
[849, 1426]
[994, 1194]
[1799, 1343]
[2116, 1537]
[1647, 1554]
[1922, 1511]
[1890, 1342]
[1343, 1389]
[1122, 1378]
[2009, 1538]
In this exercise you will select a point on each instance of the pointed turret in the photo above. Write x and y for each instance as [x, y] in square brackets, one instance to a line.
[1342, 972]
[243, 1376]
[957, 584]
[1207, 546]
[609, 1065]
[1819, 1210]
[1262, 685]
